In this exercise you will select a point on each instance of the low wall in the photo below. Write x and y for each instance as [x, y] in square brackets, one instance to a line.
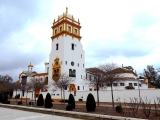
[105, 96]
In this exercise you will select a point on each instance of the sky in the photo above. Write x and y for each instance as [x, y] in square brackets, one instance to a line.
[119, 31]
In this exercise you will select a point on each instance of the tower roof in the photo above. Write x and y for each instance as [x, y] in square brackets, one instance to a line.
[30, 65]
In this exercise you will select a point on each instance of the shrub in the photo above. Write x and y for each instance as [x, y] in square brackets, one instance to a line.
[4, 98]
[90, 103]
[64, 100]
[40, 101]
[69, 107]
[8, 102]
[19, 103]
[129, 87]
[71, 100]
[0, 97]
[31, 103]
[119, 108]
[48, 101]
[17, 96]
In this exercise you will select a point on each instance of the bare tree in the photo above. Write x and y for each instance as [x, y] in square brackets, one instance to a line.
[133, 106]
[16, 86]
[95, 79]
[36, 86]
[146, 107]
[112, 74]
[63, 82]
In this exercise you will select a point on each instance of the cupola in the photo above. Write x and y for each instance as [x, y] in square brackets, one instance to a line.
[66, 25]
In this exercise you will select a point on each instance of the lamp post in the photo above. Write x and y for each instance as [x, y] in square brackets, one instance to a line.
[139, 91]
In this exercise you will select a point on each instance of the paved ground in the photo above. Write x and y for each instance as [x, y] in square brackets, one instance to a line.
[12, 114]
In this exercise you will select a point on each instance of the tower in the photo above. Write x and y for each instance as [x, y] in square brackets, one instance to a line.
[67, 55]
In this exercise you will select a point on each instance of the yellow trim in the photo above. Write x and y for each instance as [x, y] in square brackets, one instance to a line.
[56, 67]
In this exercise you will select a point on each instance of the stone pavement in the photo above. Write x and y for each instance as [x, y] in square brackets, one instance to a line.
[13, 114]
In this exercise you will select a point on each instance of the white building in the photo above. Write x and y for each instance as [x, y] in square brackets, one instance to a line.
[68, 57]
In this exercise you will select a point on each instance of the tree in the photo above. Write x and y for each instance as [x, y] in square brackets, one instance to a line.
[71, 101]
[36, 86]
[63, 82]
[111, 74]
[90, 103]
[153, 75]
[95, 79]
[40, 101]
[16, 86]
[48, 101]
[6, 86]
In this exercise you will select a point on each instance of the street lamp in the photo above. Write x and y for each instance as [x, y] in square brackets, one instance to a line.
[139, 90]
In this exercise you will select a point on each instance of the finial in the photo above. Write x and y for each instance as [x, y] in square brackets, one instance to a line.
[122, 65]
[66, 9]
[78, 20]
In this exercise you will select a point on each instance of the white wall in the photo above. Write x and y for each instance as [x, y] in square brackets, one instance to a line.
[105, 96]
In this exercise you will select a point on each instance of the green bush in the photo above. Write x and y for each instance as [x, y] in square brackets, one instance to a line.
[40, 101]
[119, 108]
[66, 101]
[129, 87]
[31, 103]
[19, 103]
[4, 98]
[69, 107]
[71, 101]
[48, 101]
[17, 96]
[8, 102]
[90, 103]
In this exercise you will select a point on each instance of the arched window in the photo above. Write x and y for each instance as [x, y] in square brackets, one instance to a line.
[78, 88]
[70, 71]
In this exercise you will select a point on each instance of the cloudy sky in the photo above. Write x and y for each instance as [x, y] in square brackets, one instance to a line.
[122, 31]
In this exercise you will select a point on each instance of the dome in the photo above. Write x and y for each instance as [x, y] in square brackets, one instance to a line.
[66, 14]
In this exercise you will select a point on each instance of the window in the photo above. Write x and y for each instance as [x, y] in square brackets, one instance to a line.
[90, 89]
[108, 84]
[53, 94]
[130, 84]
[61, 62]
[90, 77]
[56, 46]
[81, 55]
[41, 79]
[135, 84]
[121, 84]
[83, 87]
[115, 84]
[75, 31]
[60, 29]
[56, 31]
[83, 65]
[57, 94]
[66, 62]
[69, 28]
[72, 63]
[46, 80]
[140, 85]
[72, 46]
[78, 64]
[78, 88]
[72, 73]
[36, 79]
[81, 76]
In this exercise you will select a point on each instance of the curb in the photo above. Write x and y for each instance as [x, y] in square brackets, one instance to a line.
[80, 115]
